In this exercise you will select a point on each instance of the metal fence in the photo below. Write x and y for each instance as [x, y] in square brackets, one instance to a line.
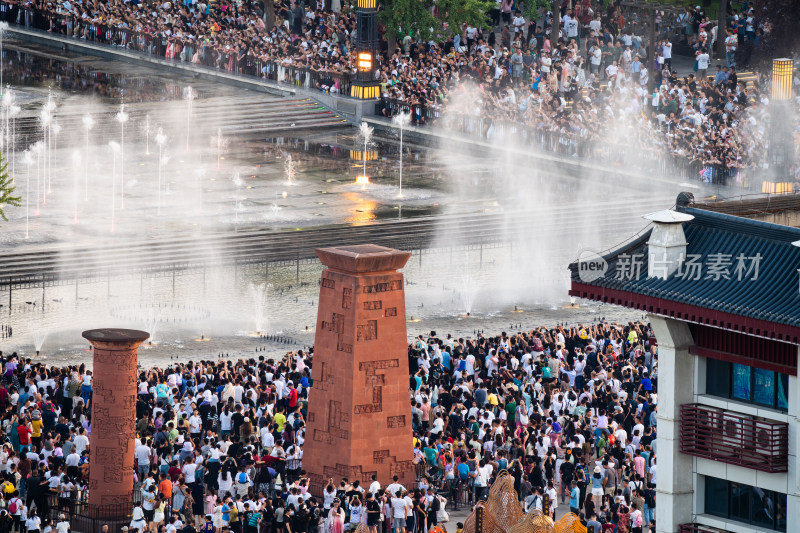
[459, 493]
[326, 80]
[199, 54]
[88, 519]
[734, 438]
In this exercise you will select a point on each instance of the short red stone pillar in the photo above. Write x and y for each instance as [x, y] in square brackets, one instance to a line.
[359, 414]
[113, 417]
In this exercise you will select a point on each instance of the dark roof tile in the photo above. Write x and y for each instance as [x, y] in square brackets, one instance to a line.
[774, 296]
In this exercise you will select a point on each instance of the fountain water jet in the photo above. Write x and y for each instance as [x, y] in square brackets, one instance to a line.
[8, 102]
[189, 95]
[467, 290]
[50, 110]
[147, 130]
[115, 149]
[27, 158]
[366, 133]
[152, 317]
[39, 335]
[76, 164]
[161, 139]
[259, 294]
[122, 118]
[237, 180]
[289, 169]
[37, 149]
[55, 129]
[15, 109]
[220, 143]
[88, 124]
[45, 118]
[401, 120]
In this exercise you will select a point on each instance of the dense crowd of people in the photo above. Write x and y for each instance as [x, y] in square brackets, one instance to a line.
[569, 412]
[486, 78]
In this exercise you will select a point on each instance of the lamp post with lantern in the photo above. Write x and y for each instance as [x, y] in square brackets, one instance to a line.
[366, 86]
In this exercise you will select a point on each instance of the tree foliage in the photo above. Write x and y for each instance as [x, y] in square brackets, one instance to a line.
[416, 17]
[531, 8]
[7, 189]
[404, 17]
[453, 13]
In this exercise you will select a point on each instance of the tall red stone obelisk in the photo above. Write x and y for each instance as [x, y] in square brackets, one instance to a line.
[113, 416]
[359, 412]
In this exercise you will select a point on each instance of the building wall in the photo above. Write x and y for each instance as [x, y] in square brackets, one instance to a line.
[682, 379]
[674, 487]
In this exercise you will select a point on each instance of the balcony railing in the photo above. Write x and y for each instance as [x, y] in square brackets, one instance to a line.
[697, 528]
[734, 438]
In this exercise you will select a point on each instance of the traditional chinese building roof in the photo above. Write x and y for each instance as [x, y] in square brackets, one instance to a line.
[747, 282]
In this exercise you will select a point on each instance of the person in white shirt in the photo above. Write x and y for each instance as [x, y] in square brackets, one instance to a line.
[81, 441]
[267, 439]
[666, 53]
[545, 64]
[399, 512]
[595, 59]
[33, 523]
[702, 65]
[195, 424]
[137, 519]
[142, 453]
[653, 471]
[188, 472]
[395, 486]
[470, 365]
[62, 526]
[731, 43]
[375, 486]
[225, 418]
[595, 24]
[553, 495]
[611, 71]
[410, 515]
[621, 436]
[518, 22]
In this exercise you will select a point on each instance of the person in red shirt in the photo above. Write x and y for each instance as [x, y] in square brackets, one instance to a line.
[291, 400]
[24, 431]
[174, 471]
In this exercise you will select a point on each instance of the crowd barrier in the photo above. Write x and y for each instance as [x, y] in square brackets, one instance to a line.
[212, 58]
[200, 55]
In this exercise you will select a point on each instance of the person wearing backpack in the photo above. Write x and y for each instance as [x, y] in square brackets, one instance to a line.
[15, 509]
[434, 505]
[636, 519]
[243, 482]
[649, 504]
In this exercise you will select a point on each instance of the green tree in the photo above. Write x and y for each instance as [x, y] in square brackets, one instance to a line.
[401, 17]
[531, 9]
[7, 189]
[454, 13]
